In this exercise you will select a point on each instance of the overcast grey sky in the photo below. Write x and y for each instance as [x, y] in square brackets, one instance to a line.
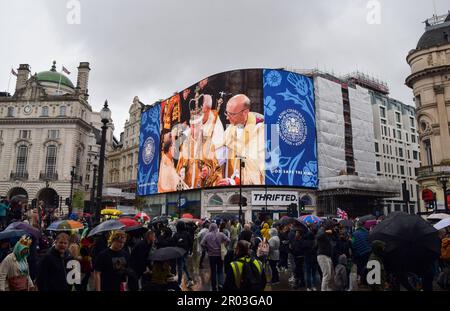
[153, 48]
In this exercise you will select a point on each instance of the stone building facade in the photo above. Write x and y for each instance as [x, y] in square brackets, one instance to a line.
[47, 129]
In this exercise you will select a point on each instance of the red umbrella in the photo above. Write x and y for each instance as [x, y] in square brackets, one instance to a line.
[129, 222]
[187, 216]
[143, 216]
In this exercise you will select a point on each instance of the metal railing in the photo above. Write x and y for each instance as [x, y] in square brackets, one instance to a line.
[48, 176]
[18, 175]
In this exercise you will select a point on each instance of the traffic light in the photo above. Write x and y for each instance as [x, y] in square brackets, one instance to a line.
[67, 201]
[430, 205]
[244, 201]
[56, 201]
[302, 206]
[292, 210]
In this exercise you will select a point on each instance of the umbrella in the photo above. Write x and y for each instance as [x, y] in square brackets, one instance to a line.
[369, 224]
[194, 220]
[129, 222]
[73, 216]
[444, 223]
[310, 219]
[412, 244]
[286, 220]
[25, 227]
[300, 225]
[19, 197]
[13, 233]
[137, 230]
[366, 218]
[65, 225]
[346, 223]
[226, 217]
[143, 216]
[160, 219]
[439, 216]
[187, 216]
[111, 211]
[167, 253]
[108, 225]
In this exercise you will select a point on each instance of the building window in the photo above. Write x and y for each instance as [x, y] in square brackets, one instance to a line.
[50, 161]
[428, 153]
[44, 111]
[400, 152]
[376, 147]
[409, 170]
[407, 137]
[398, 117]
[378, 166]
[385, 169]
[382, 112]
[134, 130]
[384, 149]
[10, 111]
[399, 134]
[413, 139]
[409, 155]
[62, 111]
[411, 122]
[25, 134]
[53, 134]
[22, 157]
[415, 153]
[78, 162]
[402, 170]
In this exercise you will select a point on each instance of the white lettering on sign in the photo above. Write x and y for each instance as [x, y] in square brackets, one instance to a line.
[274, 197]
[74, 273]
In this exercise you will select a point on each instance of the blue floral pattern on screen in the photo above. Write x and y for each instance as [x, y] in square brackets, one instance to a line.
[149, 147]
[289, 108]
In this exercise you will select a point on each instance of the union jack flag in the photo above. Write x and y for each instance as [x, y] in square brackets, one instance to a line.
[342, 214]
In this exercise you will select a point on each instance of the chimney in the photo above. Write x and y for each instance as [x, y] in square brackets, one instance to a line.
[22, 76]
[83, 77]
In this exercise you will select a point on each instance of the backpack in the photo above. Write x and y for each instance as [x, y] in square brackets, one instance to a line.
[263, 249]
[251, 277]
[445, 249]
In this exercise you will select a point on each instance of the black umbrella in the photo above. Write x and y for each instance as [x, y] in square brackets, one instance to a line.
[167, 253]
[299, 225]
[287, 221]
[136, 230]
[108, 225]
[160, 219]
[366, 218]
[412, 244]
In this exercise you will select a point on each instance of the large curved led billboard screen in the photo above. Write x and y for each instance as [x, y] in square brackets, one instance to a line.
[249, 127]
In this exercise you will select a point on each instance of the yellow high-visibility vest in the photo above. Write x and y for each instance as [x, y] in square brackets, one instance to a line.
[238, 266]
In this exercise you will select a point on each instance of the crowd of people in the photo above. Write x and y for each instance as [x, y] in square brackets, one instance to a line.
[325, 256]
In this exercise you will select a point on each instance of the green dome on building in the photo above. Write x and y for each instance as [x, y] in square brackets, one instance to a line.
[53, 76]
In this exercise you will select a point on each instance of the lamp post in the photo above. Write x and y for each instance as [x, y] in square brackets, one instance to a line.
[72, 176]
[93, 189]
[241, 165]
[105, 115]
[179, 189]
[444, 180]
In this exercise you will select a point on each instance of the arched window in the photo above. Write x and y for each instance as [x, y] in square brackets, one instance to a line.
[306, 200]
[22, 158]
[215, 200]
[50, 161]
[45, 111]
[234, 199]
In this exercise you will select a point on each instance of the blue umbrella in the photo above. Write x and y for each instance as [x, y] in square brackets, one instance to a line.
[108, 225]
[13, 233]
[25, 227]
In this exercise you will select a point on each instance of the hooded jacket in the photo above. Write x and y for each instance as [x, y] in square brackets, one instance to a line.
[265, 231]
[274, 245]
[213, 240]
[14, 265]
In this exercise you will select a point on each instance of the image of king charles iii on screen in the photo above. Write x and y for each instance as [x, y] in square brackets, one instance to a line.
[220, 120]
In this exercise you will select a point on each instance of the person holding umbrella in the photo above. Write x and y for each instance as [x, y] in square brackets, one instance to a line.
[362, 249]
[14, 270]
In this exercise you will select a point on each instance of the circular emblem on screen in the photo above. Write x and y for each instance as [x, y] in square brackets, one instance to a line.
[292, 126]
[149, 150]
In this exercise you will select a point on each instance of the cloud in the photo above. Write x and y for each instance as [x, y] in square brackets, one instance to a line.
[154, 48]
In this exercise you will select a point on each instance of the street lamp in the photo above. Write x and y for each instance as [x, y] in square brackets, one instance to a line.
[93, 189]
[179, 189]
[72, 176]
[105, 115]
[241, 165]
[444, 180]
